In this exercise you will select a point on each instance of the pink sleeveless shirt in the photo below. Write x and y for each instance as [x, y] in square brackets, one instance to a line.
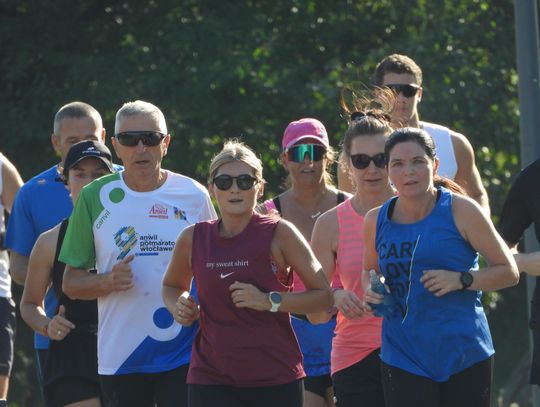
[240, 347]
[355, 339]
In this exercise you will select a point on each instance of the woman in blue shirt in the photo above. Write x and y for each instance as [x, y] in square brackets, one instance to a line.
[436, 349]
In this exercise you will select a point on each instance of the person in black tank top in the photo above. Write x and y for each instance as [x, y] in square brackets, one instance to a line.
[70, 371]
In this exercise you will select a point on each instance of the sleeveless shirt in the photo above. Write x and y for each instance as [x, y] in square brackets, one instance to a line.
[355, 338]
[448, 165]
[240, 347]
[434, 337]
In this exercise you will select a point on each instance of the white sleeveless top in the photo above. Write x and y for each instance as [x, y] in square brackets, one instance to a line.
[448, 165]
[5, 278]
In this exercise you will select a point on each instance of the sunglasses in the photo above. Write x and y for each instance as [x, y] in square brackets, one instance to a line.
[406, 90]
[361, 161]
[132, 138]
[245, 182]
[316, 152]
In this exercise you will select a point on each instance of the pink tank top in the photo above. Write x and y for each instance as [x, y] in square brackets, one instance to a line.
[298, 284]
[354, 339]
[237, 346]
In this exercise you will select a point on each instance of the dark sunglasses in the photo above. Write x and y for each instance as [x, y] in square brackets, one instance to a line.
[297, 153]
[132, 138]
[245, 182]
[361, 161]
[406, 90]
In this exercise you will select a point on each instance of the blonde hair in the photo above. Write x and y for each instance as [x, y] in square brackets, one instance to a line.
[235, 150]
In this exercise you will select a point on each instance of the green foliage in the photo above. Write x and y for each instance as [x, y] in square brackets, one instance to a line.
[247, 68]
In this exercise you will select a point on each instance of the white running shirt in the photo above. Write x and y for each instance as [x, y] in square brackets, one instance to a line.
[448, 165]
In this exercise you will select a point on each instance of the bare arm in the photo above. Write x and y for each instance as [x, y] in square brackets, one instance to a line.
[289, 248]
[177, 281]
[467, 175]
[11, 182]
[37, 283]
[526, 262]
[80, 284]
[370, 256]
[18, 266]
[475, 226]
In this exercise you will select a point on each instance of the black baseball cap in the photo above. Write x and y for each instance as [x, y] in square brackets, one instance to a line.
[85, 149]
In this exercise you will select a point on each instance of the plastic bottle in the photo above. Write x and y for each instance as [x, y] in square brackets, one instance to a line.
[387, 308]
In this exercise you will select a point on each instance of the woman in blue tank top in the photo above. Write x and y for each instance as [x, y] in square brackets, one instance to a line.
[436, 348]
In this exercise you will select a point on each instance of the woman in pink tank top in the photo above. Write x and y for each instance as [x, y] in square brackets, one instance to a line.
[245, 352]
[337, 241]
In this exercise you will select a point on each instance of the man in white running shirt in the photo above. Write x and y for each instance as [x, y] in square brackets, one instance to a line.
[127, 224]
[456, 156]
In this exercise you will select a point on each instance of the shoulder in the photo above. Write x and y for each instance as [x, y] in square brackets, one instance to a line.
[370, 220]
[185, 182]
[47, 241]
[461, 143]
[328, 220]
[186, 236]
[463, 206]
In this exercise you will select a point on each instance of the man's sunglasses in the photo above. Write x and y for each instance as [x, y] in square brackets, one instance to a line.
[361, 161]
[315, 152]
[132, 138]
[245, 182]
[406, 90]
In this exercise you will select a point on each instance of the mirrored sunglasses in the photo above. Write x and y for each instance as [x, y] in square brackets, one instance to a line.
[406, 90]
[315, 152]
[361, 161]
[132, 138]
[244, 181]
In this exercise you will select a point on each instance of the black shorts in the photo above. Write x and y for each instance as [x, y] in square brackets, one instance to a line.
[163, 389]
[8, 327]
[468, 388]
[360, 384]
[68, 390]
[318, 384]
[284, 395]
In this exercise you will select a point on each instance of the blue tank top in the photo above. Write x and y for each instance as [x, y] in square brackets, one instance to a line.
[430, 336]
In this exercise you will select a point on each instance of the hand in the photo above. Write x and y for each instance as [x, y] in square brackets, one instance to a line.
[248, 296]
[348, 303]
[59, 327]
[371, 297]
[186, 310]
[441, 282]
[121, 276]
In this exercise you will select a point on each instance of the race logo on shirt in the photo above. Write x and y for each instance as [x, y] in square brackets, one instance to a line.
[158, 211]
[179, 213]
[125, 239]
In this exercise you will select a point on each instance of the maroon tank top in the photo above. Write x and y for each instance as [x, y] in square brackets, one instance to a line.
[237, 346]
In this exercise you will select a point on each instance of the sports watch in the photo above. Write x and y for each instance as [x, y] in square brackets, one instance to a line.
[275, 300]
[466, 280]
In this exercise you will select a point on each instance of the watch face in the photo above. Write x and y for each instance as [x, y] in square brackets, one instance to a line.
[466, 279]
[275, 297]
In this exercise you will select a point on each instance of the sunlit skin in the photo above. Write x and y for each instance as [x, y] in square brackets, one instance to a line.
[411, 170]
[235, 201]
[142, 163]
[307, 172]
[405, 112]
[371, 179]
[72, 130]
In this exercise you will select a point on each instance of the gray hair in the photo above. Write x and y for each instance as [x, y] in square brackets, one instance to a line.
[76, 110]
[140, 107]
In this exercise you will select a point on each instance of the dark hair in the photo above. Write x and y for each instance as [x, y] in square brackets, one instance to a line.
[397, 64]
[424, 140]
[367, 115]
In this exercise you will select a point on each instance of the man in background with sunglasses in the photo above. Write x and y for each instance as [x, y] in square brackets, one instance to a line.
[127, 224]
[456, 155]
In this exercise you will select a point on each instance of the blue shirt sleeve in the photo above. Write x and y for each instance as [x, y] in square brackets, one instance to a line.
[21, 234]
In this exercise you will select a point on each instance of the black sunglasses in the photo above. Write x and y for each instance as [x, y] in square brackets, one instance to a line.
[298, 153]
[245, 182]
[361, 161]
[132, 138]
[406, 90]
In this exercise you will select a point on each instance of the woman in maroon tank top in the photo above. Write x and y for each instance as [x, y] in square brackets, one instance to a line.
[245, 352]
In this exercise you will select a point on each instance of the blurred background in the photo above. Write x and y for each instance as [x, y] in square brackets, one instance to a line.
[246, 68]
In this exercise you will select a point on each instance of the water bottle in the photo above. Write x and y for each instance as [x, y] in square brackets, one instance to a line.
[387, 308]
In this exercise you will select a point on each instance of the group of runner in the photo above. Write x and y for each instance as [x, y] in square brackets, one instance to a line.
[145, 297]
